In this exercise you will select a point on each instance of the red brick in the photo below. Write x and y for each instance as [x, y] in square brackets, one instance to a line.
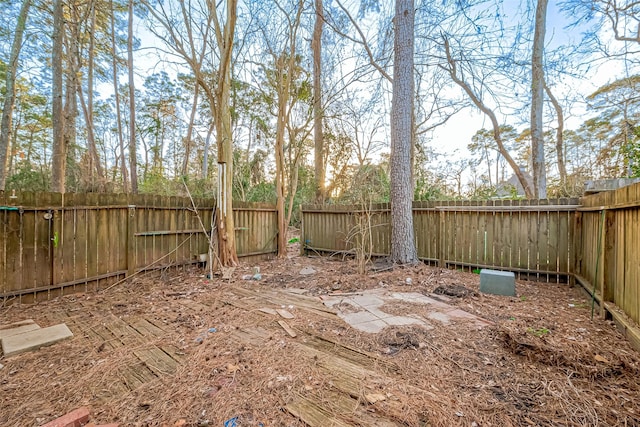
[75, 418]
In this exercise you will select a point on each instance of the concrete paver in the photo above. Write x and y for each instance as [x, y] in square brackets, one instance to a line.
[372, 318]
[18, 330]
[32, 340]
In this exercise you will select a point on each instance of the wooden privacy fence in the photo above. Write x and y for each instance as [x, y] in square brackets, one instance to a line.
[608, 249]
[524, 236]
[52, 244]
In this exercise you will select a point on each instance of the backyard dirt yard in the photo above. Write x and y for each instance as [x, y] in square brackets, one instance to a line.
[300, 347]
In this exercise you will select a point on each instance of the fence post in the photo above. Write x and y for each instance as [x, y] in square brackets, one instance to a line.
[440, 240]
[302, 239]
[578, 250]
[131, 247]
[609, 257]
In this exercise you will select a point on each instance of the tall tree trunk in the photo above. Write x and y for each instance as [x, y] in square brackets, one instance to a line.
[10, 90]
[59, 150]
[71, 105]
[133, 156]
[537, 101]
[205, 154]
[280, 163]
[224, 209]
[285, 70]
[562, 168]
[192, 118]
[403, 248]
[116, 91]
[88, 108]
[318, 137]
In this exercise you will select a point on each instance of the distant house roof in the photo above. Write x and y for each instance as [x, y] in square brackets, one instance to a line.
[506, 188]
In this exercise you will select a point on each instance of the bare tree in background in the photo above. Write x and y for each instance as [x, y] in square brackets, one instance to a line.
[537, 103]
[133, 156]
[59, 150]
[10, 95]
[452, 68]
[318, 139]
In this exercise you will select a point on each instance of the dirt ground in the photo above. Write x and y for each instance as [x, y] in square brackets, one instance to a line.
[179, 349]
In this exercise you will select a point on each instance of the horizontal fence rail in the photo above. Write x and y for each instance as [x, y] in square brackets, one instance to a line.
[52, 244]
[529, 237]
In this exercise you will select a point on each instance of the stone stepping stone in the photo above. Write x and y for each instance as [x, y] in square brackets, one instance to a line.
[32, 340]
[4, 333]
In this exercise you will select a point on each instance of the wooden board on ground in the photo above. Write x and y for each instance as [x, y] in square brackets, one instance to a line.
[313, 414]
[287, 328]
[146, 328]
[136, 375]
[253, 336]
[33, 340]
[157, 360]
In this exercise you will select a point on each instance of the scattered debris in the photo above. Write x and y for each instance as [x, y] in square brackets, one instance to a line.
[231, 422]
[285, 314]
[453, 290]
[307, 271]
[227, 272]
[375, 397]
[332, 371]
[287, 328]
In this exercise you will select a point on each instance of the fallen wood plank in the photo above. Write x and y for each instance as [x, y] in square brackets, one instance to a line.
[122, 331]
[137, 375]
[285, 314]
[360, 357]
[33, 340]
[287, 328]
[18, 330]
[253, 336]
[157, 360]
[176, 354]
[313, 414]
[280, 298]
[107, 338]
[353, 410]
[146, 328]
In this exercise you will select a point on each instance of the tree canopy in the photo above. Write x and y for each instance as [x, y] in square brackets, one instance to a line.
[305, 108]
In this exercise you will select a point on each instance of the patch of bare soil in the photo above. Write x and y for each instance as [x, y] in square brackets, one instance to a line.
[185, 350]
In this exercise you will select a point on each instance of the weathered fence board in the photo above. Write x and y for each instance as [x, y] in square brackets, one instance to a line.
[52, 244]
[529, 237]
[608, 247]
